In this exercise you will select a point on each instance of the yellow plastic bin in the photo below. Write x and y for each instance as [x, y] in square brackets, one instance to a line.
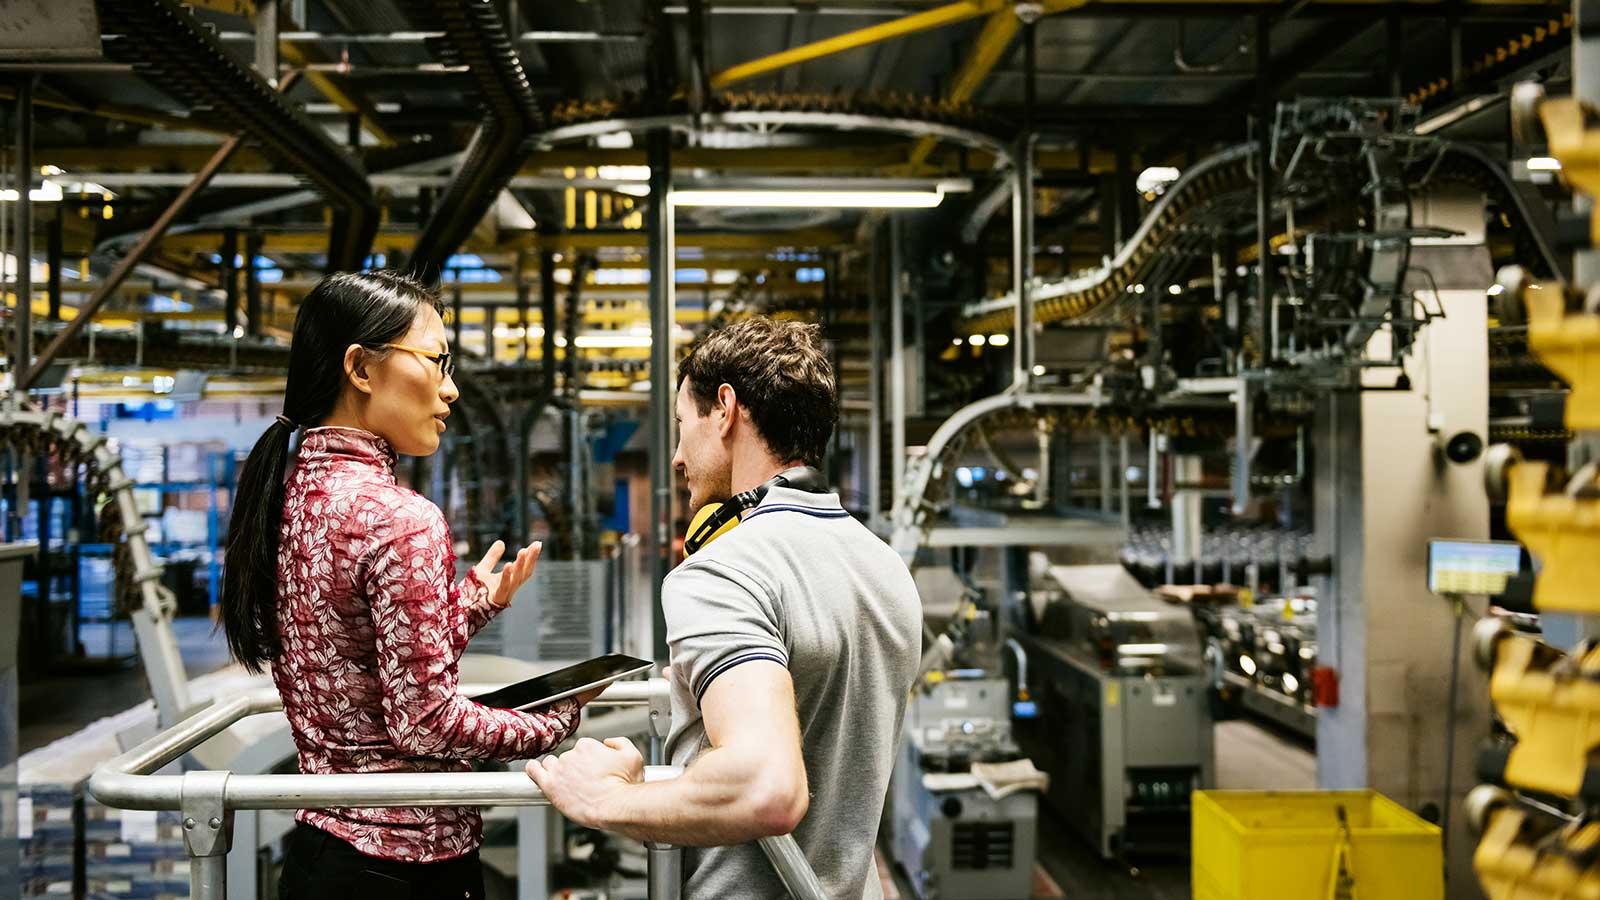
[1276, 845]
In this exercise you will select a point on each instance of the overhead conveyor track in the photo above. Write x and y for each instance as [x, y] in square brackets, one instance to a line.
[167, 45]
[475, 36]
[1202, 201]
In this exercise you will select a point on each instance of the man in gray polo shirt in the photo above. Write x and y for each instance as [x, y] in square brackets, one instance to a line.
[794, 642]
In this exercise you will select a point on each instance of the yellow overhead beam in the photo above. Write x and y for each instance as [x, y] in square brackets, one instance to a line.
[208, 242]
[937, 17]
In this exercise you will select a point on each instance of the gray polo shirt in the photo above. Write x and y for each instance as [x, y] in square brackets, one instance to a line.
[802, 584]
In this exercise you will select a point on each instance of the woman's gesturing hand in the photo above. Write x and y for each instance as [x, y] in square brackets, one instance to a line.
[504, 583]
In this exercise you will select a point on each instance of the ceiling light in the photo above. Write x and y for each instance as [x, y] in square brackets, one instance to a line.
[1038, 370]
[957, 342]
[1174, 289]
[1138, 289]
[624, 173]
[811, 199]
[1544, 164]
[999, 340]
[977, 340]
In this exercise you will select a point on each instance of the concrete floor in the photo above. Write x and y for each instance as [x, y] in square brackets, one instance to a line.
[56, 706]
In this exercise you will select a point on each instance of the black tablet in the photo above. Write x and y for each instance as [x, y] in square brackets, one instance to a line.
[572, 680]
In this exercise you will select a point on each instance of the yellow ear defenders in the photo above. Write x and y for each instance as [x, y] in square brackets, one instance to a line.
[717, 519]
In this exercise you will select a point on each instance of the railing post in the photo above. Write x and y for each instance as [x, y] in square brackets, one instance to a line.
[665, 874]
[207, 833]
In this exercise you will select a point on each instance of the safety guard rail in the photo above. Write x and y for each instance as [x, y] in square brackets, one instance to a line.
[207, 798]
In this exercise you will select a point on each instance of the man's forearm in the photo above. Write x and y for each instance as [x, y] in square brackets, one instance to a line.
[721, 799]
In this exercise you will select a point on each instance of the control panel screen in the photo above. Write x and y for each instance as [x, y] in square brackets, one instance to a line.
[1472, 567]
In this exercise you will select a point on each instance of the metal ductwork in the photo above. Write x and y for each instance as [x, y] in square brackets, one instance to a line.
[168, 46]
[475, 36]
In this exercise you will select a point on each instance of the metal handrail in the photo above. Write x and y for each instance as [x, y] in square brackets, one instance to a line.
[207, 798]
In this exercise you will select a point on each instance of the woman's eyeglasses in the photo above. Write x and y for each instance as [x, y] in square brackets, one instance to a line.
[446, 366]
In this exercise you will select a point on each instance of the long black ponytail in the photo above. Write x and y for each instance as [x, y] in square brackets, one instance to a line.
[365, 308]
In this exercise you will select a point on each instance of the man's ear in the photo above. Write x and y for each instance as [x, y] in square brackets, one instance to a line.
[355, 368]
[728, 405]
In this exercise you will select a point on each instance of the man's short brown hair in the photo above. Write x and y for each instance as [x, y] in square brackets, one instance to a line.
[779, 372]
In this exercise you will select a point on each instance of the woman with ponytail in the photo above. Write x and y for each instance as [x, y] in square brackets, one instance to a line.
[340, 581]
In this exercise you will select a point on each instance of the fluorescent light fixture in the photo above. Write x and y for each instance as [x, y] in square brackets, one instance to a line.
[999, 340]
[624, 173]
[811, 199]
[977, 340]
[633, 189]
[1544, 164]
[1142, 649]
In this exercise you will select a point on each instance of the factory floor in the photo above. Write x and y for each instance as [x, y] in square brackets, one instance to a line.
[1249, 756]
[77, 693]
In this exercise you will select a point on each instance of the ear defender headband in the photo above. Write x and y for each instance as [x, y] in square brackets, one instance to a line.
[716, 519]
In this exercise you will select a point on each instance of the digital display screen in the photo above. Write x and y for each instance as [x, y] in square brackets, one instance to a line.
[1472, 567]
[574, 679]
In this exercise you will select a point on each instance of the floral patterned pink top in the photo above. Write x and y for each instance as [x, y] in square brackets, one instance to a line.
[372, 631]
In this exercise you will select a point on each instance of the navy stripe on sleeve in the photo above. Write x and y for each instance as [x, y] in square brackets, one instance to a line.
[725, 665]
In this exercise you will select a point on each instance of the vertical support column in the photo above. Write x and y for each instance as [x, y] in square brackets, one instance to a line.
[1105, 475]
[267, 40]
[1187, 540]
[1123, 489]
[1263, 185]
[488, 331]
[1022, 224]
[252, 284]
[522, 300]
[1022, 263]
[897, 356]
[875, 386]
[456, 312]
[229, 274]
[662, 381]
[533, 852]
[53, 242]
[22, 233]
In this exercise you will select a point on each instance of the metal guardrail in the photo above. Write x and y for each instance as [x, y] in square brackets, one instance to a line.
[208, 798]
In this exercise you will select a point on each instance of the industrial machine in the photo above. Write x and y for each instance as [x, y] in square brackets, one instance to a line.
[954, 835]
[1124, 726]
[1262, 658]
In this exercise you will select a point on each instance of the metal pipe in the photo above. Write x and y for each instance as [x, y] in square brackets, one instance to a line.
[230, 280]
[897, 356]
[22, 234]
[793, 870]
[1123, 489]
[664, 870]
[1022, 265]
[208, 877]
[1105, 475]
[1241, 451]
[267, 39]
[662, 252]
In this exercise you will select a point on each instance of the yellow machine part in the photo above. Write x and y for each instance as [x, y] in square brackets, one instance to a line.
[1563, 532]
[1568, 345]
[1554, 713]
[1511, 867]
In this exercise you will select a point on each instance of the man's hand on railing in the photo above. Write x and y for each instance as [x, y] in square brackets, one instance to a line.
[583, 782]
